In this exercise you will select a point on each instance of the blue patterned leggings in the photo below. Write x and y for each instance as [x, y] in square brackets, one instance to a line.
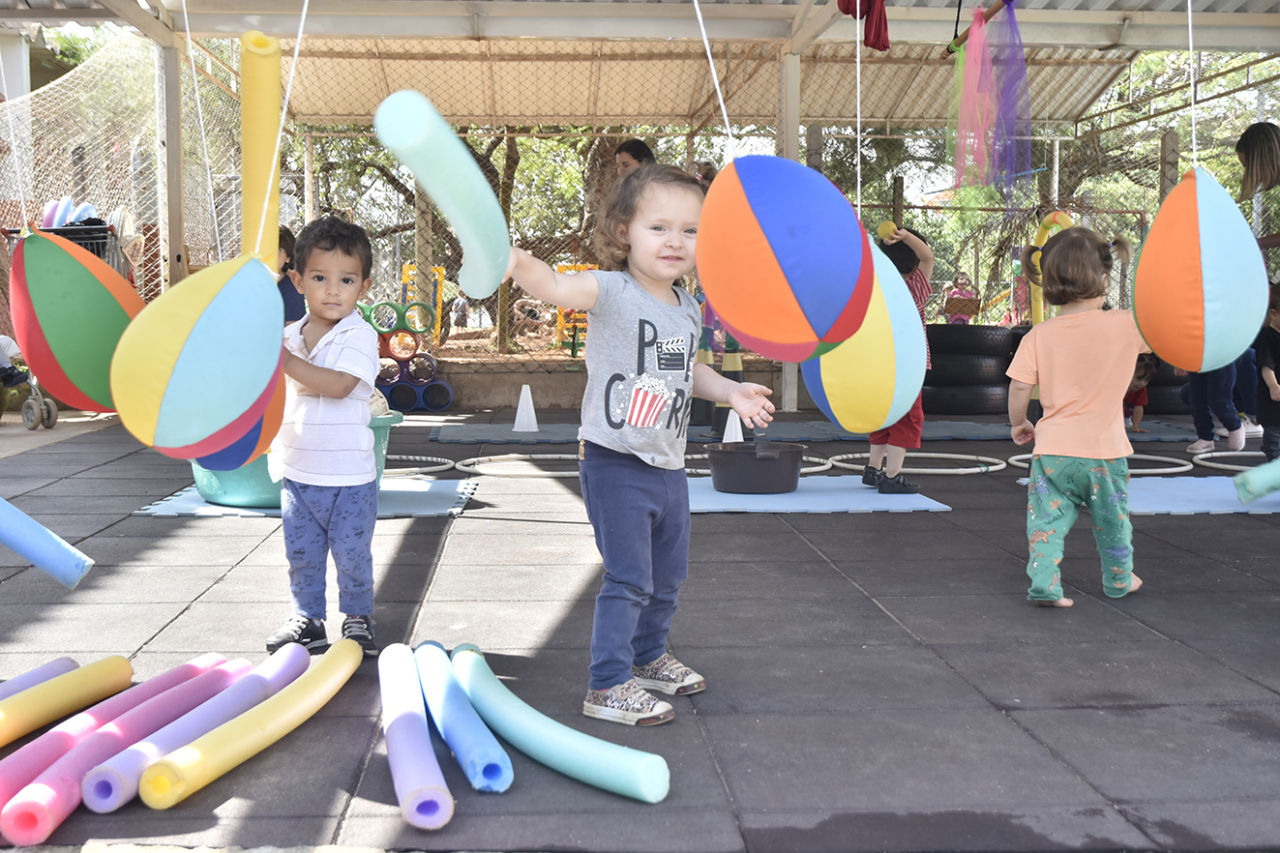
[323, 519]
[1058, 487]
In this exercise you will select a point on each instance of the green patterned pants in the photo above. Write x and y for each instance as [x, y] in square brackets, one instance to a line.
[1059, 486]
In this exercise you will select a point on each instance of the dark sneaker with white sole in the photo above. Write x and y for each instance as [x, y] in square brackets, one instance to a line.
[308, 633]
[360, 629]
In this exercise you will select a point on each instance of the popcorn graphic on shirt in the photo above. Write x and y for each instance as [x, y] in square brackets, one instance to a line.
[672, 354]
[649, 398]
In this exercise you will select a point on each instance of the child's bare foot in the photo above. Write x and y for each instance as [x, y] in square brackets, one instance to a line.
[1135, 584]
[1055, 602]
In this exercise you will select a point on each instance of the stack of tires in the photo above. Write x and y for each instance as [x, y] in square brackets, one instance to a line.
[968, 373]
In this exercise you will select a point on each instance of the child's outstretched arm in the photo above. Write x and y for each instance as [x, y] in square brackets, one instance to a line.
[321, 380]
[577, 292]
[749, 400]
[1273, 385]
[1137, 419]
[923, 253]
[1021, 429]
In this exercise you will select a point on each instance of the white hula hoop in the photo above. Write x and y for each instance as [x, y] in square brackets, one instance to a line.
[820, 465]
[1206, 459]
[472, 465]
[439, 465]
[1179, 466]
[986, 464]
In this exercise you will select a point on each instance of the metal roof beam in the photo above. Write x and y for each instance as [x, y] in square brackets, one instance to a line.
[154, 24]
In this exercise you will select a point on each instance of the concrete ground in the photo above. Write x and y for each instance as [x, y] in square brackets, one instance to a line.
[876, 681]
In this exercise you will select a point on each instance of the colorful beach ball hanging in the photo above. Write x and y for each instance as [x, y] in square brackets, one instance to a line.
[69, 309]
[870, 381]
[782, 258]
[1200, 292]
[198, 368]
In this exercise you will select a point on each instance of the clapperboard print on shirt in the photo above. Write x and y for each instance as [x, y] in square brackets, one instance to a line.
[649, 404]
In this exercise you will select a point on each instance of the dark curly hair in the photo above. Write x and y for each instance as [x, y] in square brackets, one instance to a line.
[329, 233]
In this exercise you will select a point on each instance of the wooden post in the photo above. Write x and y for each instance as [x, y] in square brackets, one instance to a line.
[1168, 162]
[898, 203]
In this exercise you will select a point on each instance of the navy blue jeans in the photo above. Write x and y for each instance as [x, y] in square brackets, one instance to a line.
[640, 515]
[323, 519]
[1246, 387]
[1210, 394]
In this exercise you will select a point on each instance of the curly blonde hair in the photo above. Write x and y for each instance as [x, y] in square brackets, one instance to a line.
[610, 235]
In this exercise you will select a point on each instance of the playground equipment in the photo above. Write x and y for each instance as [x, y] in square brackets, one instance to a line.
[408, 378]
[629, 772]
[421, 791]
[412, 129]
[41, 807]
[485, 763]
[188, 769]
[114, 782]
[805, 297]
[41, 547]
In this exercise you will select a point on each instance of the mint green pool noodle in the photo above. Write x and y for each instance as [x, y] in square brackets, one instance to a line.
[620, 769]
[419, 137]
[1257, 482]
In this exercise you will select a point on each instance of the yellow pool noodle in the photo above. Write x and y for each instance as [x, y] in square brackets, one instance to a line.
[260, 102]
[189, 768]
[56, 698]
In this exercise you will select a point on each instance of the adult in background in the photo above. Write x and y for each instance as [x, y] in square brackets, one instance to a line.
[631, 155]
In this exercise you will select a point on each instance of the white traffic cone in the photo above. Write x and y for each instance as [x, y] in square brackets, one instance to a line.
[732, 428]
[526, 419]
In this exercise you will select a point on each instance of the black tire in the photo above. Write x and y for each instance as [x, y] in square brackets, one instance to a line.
[1165, 400]
[952, 369]
[1164, 376]
[969, 340]
[966, 400]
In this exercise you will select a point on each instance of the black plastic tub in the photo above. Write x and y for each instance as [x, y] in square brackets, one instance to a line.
[756, 468]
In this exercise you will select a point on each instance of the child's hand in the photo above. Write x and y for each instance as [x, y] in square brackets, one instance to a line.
[751, 402]
[895, 237]
[1023, 433]
[1138, 429]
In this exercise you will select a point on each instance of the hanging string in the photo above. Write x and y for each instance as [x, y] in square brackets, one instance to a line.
[13, 145]
[1191, 61]
[715, 80]
[204, 139]
[956, 32]
[284, 113]
[857, 63]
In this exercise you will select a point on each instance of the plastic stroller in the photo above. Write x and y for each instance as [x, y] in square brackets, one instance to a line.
[38, 410]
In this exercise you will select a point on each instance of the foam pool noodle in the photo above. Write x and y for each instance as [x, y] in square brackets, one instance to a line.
[41, 547]
[481, 757]
[1258, 482]
[34, 707]
[412, 129]
[114, 782]
[39, 675]
[608, 766]
[421, 791]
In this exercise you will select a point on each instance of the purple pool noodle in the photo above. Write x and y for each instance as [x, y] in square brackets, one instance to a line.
[115, 781]
[19, 768]
[32, 677]
[481, 757]
[41, 807]
[425, 801]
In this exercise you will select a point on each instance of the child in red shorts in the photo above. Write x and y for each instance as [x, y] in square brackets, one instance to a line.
[1135, 399]
[914, 259]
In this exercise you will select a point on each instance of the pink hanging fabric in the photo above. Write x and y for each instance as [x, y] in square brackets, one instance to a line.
[977, 108]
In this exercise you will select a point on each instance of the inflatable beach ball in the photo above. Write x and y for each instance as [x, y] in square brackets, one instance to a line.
[1200, 292]
[782, 258]
[69, 309]
[871, 380]
[199, 366]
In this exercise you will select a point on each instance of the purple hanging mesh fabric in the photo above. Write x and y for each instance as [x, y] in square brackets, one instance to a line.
[1011, 142]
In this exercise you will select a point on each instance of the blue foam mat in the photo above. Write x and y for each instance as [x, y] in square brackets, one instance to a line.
[399, 497]
[1193, 496]
[814, 494]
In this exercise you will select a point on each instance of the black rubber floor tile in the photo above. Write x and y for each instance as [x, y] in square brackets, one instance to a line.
[198, 528]
[839, 544]
[748, 579]
[996, 829]
[231, 628]
[760, 547]
[426, 526]
[1200, 753]
[92, 630]
[501, 625]
[73, 528]
[840, 620]
[1103, 675]
[881, 760]
[45, 506]
[465, 549]
[12, 485]
[1194, 617]
[977, 618]
[422, 549]
[961, 576]
[517, 524]
[744, 522]
[1247, 824]
[544, 582]
[1264, 566]
[549, 490]
[108, 584]
[132, 487]
[187, 827]
[1170, 574]
[1253, 657]
[172, 551]
[834, 680]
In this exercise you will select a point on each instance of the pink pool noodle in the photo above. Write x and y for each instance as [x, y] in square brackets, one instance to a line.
[114, 782]
[32, 677]
[41, 807]
[30, 761]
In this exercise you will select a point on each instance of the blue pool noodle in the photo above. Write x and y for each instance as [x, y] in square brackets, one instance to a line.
[481, 757]
[41, 547]
[622, 770]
